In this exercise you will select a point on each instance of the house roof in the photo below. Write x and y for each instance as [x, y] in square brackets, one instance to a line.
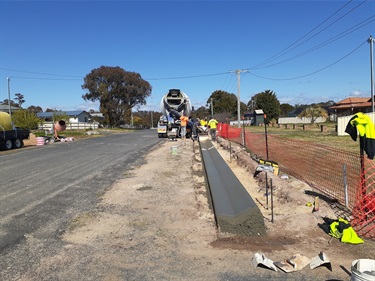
[352, 102]
[5, 107]
[69, 113]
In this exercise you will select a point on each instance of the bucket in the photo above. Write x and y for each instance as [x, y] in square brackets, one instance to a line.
[174, 149]
[40, 141]
[363, 270]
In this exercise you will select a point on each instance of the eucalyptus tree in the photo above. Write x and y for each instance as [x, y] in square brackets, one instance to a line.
[117, 90]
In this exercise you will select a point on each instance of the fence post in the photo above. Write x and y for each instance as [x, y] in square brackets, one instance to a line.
[266, 191]
[265, 132]
[243, 132]
[272, 202]
[345, 186]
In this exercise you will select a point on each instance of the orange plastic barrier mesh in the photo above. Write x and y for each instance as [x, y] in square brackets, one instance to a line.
[364, 210]
[325, 168]
[228, 132]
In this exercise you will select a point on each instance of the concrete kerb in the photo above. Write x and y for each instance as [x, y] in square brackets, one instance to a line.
[235, 210]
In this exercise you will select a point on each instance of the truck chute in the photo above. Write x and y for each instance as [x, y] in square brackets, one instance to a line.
[173, 104]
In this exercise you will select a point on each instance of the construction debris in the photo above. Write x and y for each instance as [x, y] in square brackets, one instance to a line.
[295, 263]
[320, 259]
[263, 260]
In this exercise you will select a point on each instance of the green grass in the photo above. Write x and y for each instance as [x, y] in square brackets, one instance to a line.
[313, 134]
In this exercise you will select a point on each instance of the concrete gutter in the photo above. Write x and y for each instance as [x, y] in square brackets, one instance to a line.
[235, 210]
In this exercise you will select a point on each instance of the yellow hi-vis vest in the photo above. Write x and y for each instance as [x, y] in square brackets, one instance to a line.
[342, 230]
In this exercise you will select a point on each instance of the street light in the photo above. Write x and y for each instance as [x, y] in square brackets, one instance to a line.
[10, 111]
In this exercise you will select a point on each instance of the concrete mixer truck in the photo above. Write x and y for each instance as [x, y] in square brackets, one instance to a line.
[172, 105]
[11, 136]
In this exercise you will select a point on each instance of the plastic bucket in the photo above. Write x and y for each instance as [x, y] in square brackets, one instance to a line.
[363, 270]
[174, 149]
[40, 141]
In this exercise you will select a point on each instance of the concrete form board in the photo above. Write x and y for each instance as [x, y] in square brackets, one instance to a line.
[235, 211]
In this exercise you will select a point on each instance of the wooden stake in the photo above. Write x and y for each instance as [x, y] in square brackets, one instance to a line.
[316, 204]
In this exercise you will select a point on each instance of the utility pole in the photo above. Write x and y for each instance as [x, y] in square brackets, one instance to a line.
[371, 41]
[238, 72]
[212, 109]
[10, 111]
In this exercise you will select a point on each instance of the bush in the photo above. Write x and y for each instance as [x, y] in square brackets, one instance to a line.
[25, 119]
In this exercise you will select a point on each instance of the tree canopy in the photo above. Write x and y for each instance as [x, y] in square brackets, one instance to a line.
[268, 102]
[35, 109]
[224, 102]
[20, 99]
[202, 112]
[285, 108]
[117, 90]
[26, 119]
[12, 103]
[313, 112]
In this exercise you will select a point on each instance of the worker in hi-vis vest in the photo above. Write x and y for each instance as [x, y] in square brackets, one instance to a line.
[212, 125]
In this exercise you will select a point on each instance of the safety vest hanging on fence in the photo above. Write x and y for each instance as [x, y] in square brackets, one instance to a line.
[366, 131]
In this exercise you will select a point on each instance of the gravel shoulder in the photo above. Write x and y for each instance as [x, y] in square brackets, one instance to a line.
[155, 224]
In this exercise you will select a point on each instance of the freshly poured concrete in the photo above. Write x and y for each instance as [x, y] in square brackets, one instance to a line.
[235, 210]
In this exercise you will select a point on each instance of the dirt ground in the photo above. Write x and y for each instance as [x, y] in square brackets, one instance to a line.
[157, 218]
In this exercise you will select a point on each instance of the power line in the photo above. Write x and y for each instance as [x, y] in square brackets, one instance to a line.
[288, 49]
[81, 77]
[44, 78]
[206, 75]
[187, 77]
[40, 73]
[227, 81]
[329, 41]
[281, 53]
[311, 73]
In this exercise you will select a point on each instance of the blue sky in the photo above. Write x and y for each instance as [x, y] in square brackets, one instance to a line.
[304, 51]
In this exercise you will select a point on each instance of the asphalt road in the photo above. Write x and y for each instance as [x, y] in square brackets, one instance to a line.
[44, 187]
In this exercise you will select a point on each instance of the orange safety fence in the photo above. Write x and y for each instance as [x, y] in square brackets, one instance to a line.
[334, 172]
[228, 132]
[364, 210]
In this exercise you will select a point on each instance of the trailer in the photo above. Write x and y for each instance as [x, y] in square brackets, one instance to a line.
[11, 137]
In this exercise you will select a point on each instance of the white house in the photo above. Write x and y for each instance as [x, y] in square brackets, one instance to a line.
[74, 116]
